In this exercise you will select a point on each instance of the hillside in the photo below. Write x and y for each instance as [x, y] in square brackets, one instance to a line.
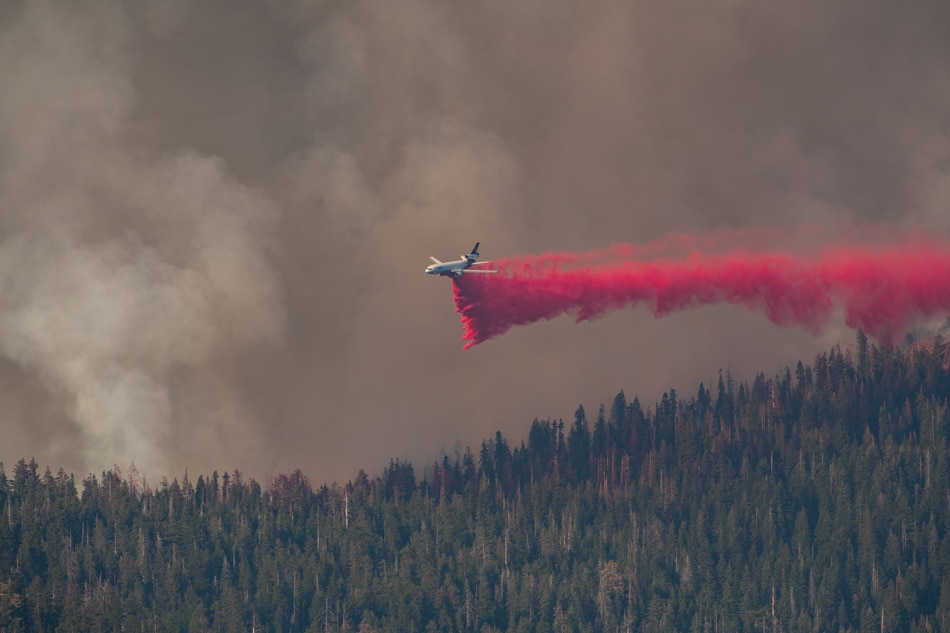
[817, 499]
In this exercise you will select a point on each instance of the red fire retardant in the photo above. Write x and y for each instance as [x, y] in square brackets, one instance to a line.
[883, 289]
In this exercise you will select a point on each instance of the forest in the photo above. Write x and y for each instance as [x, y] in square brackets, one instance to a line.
[817, 499]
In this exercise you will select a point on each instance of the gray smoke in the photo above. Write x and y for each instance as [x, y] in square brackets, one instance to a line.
[125, 277]
[214, 215]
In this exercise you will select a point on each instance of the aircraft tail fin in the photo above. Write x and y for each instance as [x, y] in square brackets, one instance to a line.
[474, 254]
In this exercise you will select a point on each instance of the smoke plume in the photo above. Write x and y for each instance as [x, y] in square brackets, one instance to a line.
[128, 282]
[214, 214]
[883, 290]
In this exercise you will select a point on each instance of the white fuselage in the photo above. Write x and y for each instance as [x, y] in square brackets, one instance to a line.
[459, 266]
[450, 268]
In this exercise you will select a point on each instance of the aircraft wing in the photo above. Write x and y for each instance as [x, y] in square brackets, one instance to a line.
[434, 259]
[469, 271]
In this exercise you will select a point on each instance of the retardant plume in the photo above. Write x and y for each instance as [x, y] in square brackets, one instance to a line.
[884, 290]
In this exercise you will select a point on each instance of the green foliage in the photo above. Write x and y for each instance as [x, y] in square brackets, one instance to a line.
[811, 502]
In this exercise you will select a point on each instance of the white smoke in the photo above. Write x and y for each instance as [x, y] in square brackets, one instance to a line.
[118, 271]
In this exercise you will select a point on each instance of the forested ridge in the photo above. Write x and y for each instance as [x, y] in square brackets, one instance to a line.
[814, 500]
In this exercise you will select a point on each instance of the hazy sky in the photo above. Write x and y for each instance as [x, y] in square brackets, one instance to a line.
[215, 214]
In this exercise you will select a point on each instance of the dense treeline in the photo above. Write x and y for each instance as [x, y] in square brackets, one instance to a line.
[818, 499]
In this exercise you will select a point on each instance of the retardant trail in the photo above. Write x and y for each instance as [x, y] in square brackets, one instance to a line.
[883, 289]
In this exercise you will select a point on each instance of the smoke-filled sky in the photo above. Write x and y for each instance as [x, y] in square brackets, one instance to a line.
[214, 215]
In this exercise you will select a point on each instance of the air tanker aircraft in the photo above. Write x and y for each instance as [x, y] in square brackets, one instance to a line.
[460, 266]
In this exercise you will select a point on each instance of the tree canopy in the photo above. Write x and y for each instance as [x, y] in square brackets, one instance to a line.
[816, 499]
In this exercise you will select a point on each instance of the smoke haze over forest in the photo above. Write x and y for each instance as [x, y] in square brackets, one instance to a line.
[214, 216]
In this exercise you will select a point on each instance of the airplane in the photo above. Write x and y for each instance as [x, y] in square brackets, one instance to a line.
[460, 266]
